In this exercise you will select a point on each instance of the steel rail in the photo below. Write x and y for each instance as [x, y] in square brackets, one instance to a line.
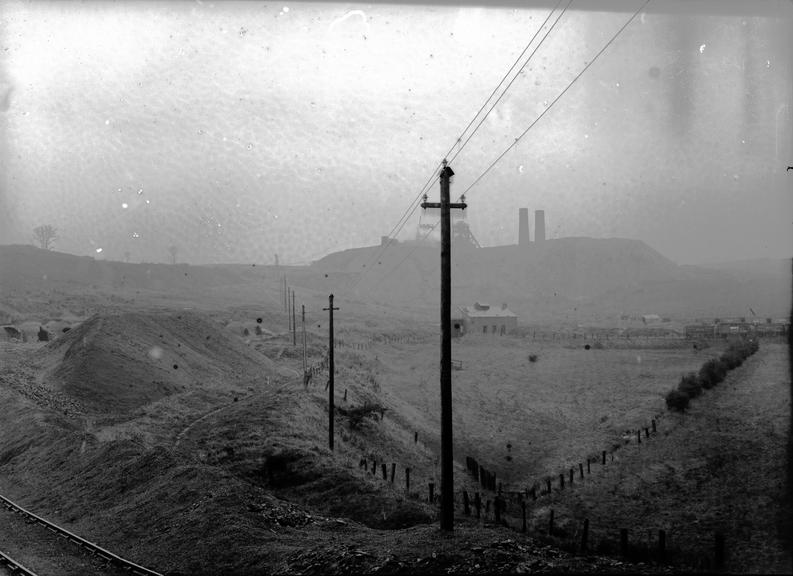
[82, 542]
[14, 566]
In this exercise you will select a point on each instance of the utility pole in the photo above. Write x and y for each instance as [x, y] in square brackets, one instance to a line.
[303, 317]
[294, 323]
[330, 310]
[447, 444]
[286, 309]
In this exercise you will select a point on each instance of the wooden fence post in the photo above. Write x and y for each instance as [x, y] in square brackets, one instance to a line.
[639, 436]
[624, 542]
[466, 504]
[661, 545]
[432, 492]
[393, 471]
[523, 511]
[497, 509]
[646, 432]
[604, 457]
[585, 535]
[572, 474]
[654, 426]
[374, 467]
[588, 469]
[407, 480]
[385, 471]
[415, 437]
[548, 482]
[478, 505]
[581, 470]
[345, 394]
[561, 481]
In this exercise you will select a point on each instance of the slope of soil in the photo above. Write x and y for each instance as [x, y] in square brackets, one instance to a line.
[116, 363]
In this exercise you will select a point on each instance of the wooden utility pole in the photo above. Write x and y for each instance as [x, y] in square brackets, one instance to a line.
[330, 310]
[294, 321]
[447, 444]
[303, 318]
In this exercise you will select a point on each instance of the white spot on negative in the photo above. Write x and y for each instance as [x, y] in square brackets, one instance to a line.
[702, 48]
[124, 205]
[98, 250]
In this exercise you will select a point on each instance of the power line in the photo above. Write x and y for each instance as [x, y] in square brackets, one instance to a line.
[522, 135]
[411, 208]
[562, 93]
[555, 22]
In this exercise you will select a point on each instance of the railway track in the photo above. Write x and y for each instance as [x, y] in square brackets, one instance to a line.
[11, 566]
[115, 563]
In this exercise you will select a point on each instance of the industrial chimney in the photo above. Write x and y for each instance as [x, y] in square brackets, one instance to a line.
[523, 226]
[539, 225]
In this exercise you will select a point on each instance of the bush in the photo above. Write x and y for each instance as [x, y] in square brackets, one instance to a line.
[367, 410]
[677, 400]
[733, 358]
[690, 385]
[712, 372]
[532, 357]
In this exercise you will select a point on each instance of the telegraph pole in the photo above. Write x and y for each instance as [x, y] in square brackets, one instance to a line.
[294, 321]
[447, 444]
[330, 310]
[303, 317]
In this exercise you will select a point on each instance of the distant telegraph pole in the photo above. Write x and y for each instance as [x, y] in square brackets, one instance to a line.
[330, 310]
[303, 317]
[447, 444]
[294, 321]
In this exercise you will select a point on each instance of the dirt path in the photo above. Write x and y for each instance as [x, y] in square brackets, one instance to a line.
[719, 467]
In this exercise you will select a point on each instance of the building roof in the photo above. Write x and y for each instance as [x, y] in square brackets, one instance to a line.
[483, 310]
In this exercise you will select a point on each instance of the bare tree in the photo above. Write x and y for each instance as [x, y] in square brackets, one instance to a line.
[172, 250]
[45, 235]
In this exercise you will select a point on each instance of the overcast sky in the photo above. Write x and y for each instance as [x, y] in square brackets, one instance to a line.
[240, 130]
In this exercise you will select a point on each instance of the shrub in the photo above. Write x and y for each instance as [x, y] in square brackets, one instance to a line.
[532, 357]
[367, 410]
[690, 385]
[677, 400]
[733, 358]
[712, 372]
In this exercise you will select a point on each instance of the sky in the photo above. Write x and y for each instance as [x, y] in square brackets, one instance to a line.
[238, 131]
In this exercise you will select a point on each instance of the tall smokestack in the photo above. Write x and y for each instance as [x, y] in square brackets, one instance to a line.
[523, 226]
[539, 225]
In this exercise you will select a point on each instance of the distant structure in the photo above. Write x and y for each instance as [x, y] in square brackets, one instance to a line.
[737, 327]
[462, 235]
[523, 227]
[539, 226]
[482, 318]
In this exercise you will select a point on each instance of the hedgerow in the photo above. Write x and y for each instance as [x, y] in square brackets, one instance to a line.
[710, 374]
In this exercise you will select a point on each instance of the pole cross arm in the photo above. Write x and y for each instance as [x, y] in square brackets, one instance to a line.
[461, 205]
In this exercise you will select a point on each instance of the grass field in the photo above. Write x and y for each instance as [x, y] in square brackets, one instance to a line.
[544, 415]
